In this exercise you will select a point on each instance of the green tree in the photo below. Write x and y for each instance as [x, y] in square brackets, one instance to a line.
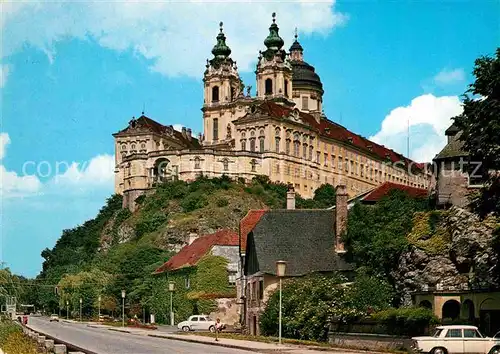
[480, 127]
[324, 196]
[370, 293]
[309, 304]
[376, 234]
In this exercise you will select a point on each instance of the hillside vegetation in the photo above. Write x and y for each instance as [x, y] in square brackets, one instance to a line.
[119, 250]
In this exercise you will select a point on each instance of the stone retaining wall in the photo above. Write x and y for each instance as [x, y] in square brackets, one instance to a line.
[369, 342]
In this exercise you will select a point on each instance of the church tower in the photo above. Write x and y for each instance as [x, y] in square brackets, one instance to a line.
[307, 86]
[274, 72]
[222, 85]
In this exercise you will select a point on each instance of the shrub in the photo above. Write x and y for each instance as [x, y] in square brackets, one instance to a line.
[193, 201]
[308, 306]
[6, 329]
[151, 224]
[407, 321]
[221, 202]
[371, 293]
[18, 343]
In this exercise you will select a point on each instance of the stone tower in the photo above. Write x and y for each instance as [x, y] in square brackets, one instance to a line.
[274, 72]
[222, 85]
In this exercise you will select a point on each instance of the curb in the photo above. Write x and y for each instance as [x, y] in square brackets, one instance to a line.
[119, 330]
[214, 343]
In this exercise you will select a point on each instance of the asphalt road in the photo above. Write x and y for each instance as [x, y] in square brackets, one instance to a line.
[103, 341]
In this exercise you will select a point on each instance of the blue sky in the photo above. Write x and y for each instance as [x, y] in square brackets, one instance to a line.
[67, 85]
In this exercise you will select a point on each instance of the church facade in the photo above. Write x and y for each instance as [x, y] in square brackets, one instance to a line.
[280, 132]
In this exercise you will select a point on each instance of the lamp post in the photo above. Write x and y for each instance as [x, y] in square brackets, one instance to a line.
[280, 272]
[81, 309]
[171, 289]
[99, 309]
[123, 308]
[67, 310]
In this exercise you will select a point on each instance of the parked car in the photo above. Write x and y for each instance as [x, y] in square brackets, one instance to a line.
[53, 318]
[457, 339]
[198, 323]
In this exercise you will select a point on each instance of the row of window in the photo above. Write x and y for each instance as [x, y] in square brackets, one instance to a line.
[225, 164]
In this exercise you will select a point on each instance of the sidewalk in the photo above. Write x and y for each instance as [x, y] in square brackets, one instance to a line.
[231, 343]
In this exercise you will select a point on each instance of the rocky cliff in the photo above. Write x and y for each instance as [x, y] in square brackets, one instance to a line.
[449, 250]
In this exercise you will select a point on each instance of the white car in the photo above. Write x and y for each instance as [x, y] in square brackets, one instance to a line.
[456, 339]
[54, 317]
[198, 323]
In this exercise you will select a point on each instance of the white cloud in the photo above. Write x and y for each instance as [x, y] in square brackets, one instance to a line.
[11, 184]
[4, 73]
[178, 127]
[449, 76]
[176, 36]
[428, 117]
[98, 171]
[4, 141]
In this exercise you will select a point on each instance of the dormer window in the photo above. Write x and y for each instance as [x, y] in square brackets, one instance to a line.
[349, 139]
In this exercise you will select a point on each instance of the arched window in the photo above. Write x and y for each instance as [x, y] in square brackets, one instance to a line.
[287, 146]
[216, 129]
[243, 144]
[261, 144]
[296, 147]
[225, 164]
[252, 144]
[215, 94]
[269, 86]
[286, 88]
[196, 162]
[277, 143]
[304, 151]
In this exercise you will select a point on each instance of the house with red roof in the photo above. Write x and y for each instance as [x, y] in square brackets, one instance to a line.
[206, 268]
[375, 194]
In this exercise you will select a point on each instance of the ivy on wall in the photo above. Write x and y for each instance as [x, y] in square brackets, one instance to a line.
[208, 280]
[429, 233]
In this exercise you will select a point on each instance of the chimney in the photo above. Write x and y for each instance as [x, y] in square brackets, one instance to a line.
[189, 133]
[184, 131]
[290, 197]
[340, 216]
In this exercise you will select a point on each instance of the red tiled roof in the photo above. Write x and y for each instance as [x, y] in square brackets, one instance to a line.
[158, 128]
[384, 189]
[190, 255]
[335, 131]
[247, 224]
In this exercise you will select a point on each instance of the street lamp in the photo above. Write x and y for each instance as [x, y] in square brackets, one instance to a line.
[280, 272]
[123, 308]
[99, 309]
[81, 309]
[171, 289]
[67, 310]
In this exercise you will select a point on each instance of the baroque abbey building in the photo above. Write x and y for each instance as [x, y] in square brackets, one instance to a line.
[281, 132]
